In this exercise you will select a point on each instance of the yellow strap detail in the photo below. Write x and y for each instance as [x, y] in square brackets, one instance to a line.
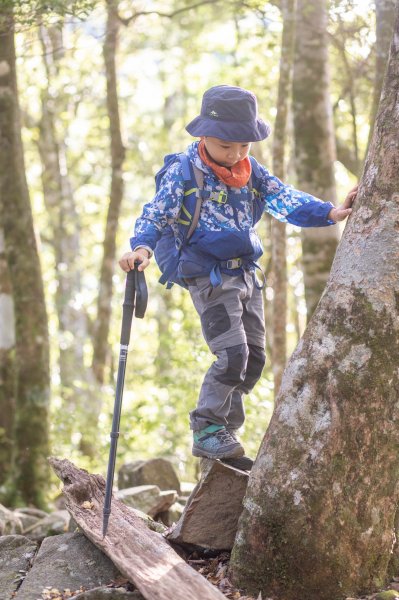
[184, 209]
[190, 191]
[183, 222]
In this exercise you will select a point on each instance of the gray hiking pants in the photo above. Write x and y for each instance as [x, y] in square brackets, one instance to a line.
[233, 326]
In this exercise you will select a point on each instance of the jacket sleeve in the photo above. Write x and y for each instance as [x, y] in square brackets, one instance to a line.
[161, 211]
[289, 205]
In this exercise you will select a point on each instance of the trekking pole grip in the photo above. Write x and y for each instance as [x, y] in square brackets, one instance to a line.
[128, 307]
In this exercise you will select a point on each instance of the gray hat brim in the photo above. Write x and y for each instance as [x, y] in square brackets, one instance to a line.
[229, 131]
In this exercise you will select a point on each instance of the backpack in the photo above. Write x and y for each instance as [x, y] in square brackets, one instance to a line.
[169, 247]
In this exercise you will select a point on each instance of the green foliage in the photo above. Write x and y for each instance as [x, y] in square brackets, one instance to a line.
[164, 65]
[33, 11]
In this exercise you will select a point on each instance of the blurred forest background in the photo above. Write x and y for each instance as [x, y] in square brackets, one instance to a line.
[105, 90]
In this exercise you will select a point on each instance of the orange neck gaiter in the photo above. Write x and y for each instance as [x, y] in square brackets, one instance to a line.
[236, 176]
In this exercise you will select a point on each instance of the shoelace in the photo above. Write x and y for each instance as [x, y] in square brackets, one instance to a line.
[222, 434]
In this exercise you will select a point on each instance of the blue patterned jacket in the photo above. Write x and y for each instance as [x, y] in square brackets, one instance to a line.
[224, 231]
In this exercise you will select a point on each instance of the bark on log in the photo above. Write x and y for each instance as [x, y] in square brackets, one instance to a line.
[141, 555]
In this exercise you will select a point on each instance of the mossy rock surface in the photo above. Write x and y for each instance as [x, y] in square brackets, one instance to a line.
[388, 595]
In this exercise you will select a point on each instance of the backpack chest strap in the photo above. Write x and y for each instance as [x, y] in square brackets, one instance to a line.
[224, 197]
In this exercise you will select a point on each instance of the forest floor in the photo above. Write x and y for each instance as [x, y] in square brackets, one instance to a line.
[215, 570]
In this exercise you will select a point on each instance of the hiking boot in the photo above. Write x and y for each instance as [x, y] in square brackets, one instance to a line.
[216, 442]
[234, 434]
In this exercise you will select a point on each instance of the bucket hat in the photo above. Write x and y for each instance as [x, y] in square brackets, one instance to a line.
[229, 113]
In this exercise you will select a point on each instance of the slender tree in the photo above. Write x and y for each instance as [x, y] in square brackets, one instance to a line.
[279, 249]
[29, 470]
[7, 348]
[117, 150]
[384, 17]
[77, 382]
[314, 140]
[319, 514]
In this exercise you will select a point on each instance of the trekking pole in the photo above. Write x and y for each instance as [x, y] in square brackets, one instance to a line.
[136, 296]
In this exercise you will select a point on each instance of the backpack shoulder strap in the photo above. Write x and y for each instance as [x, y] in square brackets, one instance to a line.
[192, 202]
[185, 165]
[256, 174]
[254, 185]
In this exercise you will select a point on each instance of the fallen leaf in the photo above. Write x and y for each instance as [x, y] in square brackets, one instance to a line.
[87, 505]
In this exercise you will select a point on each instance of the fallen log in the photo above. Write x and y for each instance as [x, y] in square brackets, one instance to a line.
[143, 556]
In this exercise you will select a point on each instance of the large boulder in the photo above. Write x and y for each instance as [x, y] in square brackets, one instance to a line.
[147, 498]
[67, 562]
[157, 471]
[16, 554]
[210, 517]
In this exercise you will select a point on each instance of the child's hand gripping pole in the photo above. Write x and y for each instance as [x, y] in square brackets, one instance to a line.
[136, 296]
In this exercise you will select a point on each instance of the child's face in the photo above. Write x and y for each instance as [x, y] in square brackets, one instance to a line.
[226, 154]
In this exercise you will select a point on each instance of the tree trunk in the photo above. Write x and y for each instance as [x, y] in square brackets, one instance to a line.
[279, 249]
[100, 342]
[385, 16]
[314, 140]
[320, 508]
[29, 468]
[76, 384]
[346, 156]
[7, 348]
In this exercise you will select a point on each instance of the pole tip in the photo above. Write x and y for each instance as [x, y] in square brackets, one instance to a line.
[105, 525]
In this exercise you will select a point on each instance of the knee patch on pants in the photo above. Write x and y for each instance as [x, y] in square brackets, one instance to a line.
[255, 364]
[235, 372]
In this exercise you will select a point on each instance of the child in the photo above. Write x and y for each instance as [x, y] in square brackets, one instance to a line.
[217, 264]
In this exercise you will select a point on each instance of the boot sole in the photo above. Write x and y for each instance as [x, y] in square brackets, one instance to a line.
[235, 453]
